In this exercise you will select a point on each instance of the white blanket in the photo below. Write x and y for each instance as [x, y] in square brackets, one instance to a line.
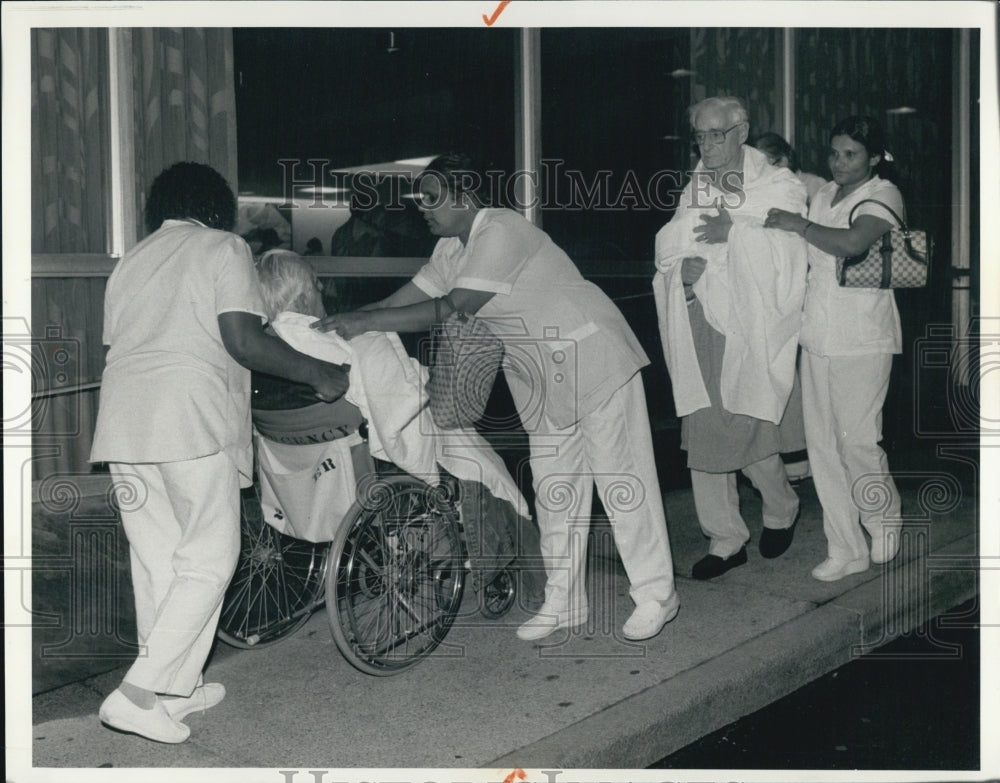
[751, 291]
[388, 386]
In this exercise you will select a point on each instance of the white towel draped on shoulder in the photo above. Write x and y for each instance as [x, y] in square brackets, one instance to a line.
[751, 291]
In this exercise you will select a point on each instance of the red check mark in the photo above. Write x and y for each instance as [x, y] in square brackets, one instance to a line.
[491, 19]
[517, 773]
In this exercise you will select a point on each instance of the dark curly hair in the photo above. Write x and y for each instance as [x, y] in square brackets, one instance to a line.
[457, 172]
[191, 190]
[869, 134]
[775, 146]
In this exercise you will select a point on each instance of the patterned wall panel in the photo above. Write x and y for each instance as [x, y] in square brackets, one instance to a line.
[840, 72]
[70, 170]
[184, 110]
[744, 62]
[69, 132]
[185, 103]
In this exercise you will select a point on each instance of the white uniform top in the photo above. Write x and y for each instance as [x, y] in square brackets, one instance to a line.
[849, 321]
[170, 390]
[567, 348]
[813, 183]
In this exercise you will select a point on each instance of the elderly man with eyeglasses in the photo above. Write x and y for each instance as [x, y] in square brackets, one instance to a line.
[729, 298]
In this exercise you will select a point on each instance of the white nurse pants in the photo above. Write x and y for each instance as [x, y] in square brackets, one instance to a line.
[182, 520]
[613, 448]
[842, 399]
[717, 503]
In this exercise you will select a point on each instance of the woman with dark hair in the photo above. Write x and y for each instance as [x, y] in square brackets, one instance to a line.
[572, 364]
[191, 191]
[780, 153]
[848, 337]
[183, 328]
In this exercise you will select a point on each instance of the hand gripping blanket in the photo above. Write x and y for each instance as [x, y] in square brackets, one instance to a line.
[387, 385]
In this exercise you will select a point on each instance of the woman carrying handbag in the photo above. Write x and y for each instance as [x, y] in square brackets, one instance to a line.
[848, 337]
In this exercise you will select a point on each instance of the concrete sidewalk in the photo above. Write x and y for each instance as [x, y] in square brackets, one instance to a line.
[583, 700]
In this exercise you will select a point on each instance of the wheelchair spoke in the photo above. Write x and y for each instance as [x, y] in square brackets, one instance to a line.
[399, 580]
[278, 582]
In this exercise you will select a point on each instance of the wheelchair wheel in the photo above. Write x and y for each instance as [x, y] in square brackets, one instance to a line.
[278, 582]
[498, 596]
[398, 573]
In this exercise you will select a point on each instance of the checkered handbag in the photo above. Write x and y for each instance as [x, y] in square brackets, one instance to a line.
[464, 363]
[901, 258]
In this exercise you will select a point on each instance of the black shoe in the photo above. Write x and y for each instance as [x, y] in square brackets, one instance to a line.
[774, 543]
[711, 566]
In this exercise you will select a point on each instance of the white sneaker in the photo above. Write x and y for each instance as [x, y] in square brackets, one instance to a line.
[831, 570]
[120, 713]
[204, 696]
[885, 544]
[649, 618]
[548, 621]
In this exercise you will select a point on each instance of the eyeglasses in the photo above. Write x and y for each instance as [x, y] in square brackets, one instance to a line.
[713, 136]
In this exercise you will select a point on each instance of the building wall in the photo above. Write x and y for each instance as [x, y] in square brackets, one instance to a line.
[745, 62]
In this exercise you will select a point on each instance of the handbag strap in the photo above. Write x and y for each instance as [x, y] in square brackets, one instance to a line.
[886, 207]
[438, 318]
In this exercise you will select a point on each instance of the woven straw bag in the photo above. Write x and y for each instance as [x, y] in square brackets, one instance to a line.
[464, 364]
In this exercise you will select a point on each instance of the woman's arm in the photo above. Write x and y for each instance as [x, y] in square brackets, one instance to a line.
[843, 242]
[416, 317]
[248, 344]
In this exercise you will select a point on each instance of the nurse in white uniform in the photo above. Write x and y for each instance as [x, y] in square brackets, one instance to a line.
[183, 327]
[573, 367]
[848, 338]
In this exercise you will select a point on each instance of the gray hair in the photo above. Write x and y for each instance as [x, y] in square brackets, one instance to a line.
[287, 282]
[734, 107]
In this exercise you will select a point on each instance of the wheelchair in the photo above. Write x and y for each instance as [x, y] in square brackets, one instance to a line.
[392, 578]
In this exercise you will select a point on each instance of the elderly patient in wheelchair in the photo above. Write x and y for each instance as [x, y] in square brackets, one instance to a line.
[312, 460]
